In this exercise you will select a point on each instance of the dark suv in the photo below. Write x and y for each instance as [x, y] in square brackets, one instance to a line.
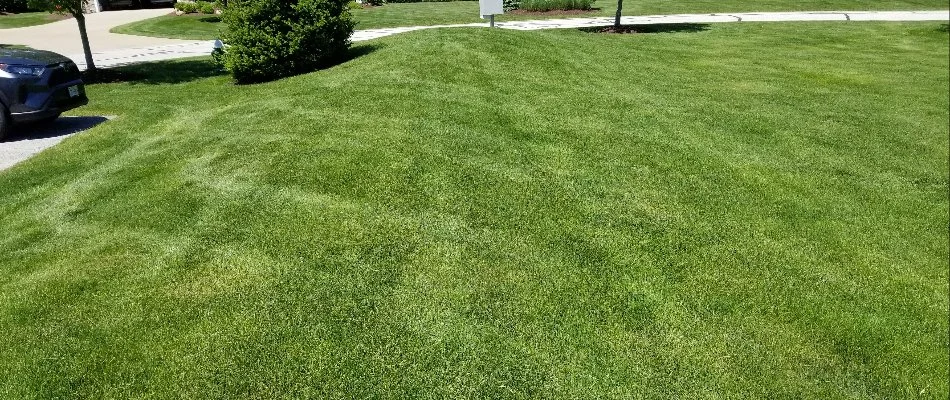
[36, 86]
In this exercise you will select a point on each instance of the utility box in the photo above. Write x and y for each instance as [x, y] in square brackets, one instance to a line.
[490, 7]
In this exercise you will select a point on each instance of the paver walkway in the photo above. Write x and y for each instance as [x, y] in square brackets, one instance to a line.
[182, 49]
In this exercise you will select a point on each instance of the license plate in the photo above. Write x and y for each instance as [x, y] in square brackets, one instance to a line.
[73, 91]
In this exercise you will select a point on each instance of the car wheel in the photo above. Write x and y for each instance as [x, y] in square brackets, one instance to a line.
[5, 123]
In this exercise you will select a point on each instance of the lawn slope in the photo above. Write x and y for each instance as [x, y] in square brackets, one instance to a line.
[753, 210]
[200, 27]
[188, 26]
[27, 19]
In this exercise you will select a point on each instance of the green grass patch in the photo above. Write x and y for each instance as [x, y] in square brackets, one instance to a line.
[458, 12]
[750, 210]
[188, 26]
[27, 19]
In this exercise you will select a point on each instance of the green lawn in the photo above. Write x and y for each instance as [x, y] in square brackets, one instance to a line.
[747, 211]
[188, 26]
[26, 19]
[434, 13]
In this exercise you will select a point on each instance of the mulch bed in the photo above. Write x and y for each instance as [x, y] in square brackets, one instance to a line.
[552, 12]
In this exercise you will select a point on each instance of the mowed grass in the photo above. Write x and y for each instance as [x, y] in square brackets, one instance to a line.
[410, 14]
[188, 26]
[753, 210]
[459, 12]
[27, 19]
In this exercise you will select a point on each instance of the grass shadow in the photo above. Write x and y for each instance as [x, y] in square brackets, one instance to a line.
[649, 28]
[213, 20]
[158, 72]
[63, 126]
[354, 53]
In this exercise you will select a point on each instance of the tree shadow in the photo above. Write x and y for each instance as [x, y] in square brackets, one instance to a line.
[157, 72]
[63, 126]
[945, 28]
[212, 19]
[189, 69]
[649, 28]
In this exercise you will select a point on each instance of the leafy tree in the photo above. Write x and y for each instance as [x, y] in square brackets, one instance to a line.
[74, 8]
[271, 39]
[12, 6]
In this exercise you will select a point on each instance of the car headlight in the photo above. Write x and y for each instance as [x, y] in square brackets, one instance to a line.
[23, 69]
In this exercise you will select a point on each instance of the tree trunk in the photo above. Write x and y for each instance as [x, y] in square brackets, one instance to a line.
[617, 18]
[87, 51]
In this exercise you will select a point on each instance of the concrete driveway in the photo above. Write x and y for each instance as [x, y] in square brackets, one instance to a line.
[27, 141]
[63, 36]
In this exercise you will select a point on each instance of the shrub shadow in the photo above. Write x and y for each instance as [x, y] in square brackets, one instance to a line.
[157, 72]
[187, 70]
[649, 28]
[63, 126]
[353, 53]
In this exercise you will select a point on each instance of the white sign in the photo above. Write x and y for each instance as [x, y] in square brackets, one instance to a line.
[491, 7]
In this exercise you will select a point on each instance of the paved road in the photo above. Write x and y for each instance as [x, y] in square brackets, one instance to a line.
[63, 36]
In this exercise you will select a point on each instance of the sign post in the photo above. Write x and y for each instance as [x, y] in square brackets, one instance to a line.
[488, 9]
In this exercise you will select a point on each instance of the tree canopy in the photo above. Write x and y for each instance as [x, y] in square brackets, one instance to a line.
[76, 9]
